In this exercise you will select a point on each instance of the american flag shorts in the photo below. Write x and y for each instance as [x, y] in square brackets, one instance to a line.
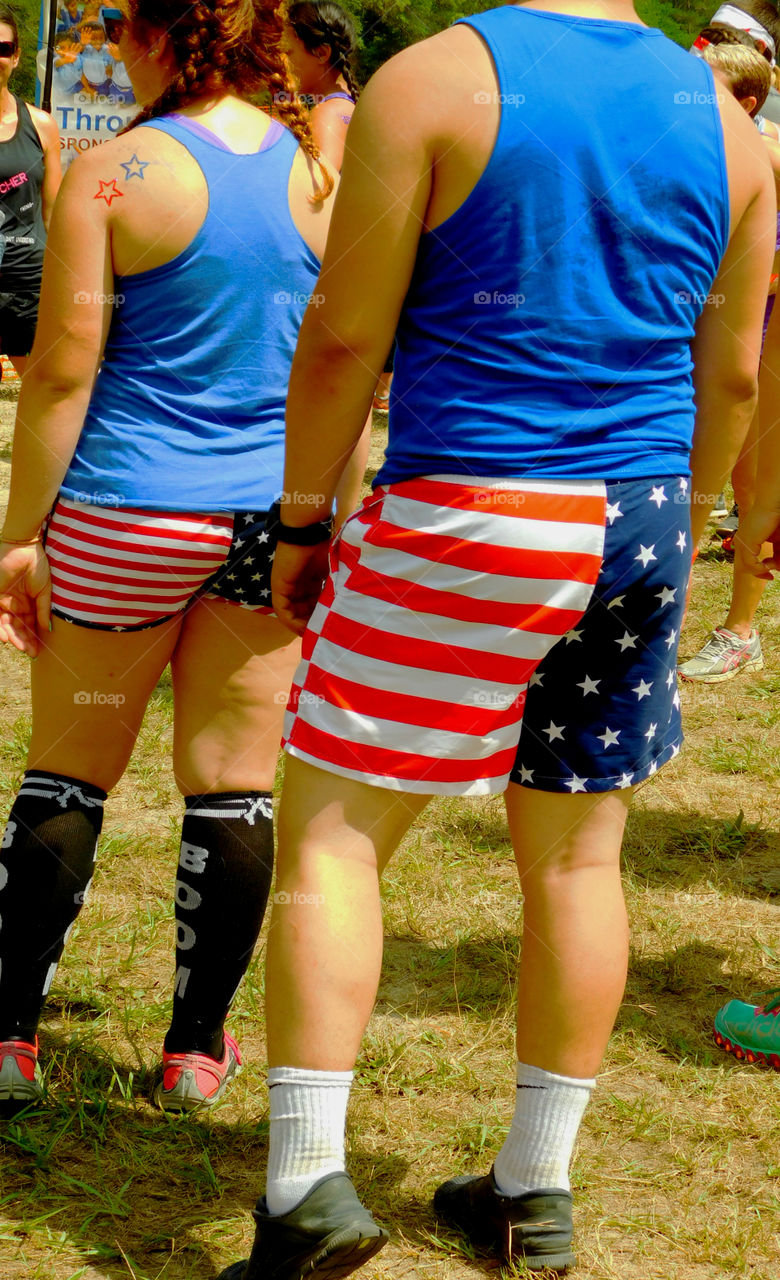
[424, 664]
[127, 569]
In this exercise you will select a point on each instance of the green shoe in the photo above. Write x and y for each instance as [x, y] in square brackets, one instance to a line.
[751, 1032]
[329, 1234]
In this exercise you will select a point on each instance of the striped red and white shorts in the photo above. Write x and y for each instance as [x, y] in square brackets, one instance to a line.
[442, 600]
[127, 569]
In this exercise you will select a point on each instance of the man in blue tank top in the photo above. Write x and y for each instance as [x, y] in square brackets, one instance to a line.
[502, 615]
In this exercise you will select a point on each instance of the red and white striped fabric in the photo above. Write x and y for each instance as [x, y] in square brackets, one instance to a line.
[120, 568]
[443, 599]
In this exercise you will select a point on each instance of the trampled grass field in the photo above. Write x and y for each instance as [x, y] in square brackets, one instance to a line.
[677, 1172]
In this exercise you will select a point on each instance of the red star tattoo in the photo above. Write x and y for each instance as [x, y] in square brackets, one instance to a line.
[108, 192]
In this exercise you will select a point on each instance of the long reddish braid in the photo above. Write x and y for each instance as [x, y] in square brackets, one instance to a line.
[226, 46]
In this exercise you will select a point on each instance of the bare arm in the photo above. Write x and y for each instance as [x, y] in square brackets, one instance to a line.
[52, 164]
[343, 345]
[330, 130]
[71, 334]
[728, 335]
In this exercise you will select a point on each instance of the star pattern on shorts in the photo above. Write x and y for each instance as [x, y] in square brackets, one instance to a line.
[616, 740]
[646, 554]
[588, 686]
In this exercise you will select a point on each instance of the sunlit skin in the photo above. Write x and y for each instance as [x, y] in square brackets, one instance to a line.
[50, 141]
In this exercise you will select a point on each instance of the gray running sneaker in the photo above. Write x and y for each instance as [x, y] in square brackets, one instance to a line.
[723, 656]
[329, 1234]
[20, 1075]
[534, 1229]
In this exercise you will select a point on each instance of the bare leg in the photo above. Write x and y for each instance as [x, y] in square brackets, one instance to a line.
[575, 932]
[232, 671]
[747, 589]
[89, 694]
[325, 945]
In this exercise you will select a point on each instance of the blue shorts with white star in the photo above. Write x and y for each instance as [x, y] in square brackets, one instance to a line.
[602, 711]
[245, 577]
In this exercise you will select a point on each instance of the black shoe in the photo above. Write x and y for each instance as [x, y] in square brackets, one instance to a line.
[534, 1228]
[729, 524]
[329, 1234]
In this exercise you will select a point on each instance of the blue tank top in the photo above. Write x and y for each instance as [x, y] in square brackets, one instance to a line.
[188, 408]
[546, 330]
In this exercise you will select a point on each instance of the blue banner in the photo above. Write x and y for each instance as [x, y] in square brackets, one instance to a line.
[92, 98]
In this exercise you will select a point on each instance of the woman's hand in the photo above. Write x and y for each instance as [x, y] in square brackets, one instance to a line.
[25, 597]
[757, 541]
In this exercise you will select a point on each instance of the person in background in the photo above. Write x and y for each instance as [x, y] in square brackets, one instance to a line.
[502, 615]
[321, 46]
[96, 62]
[30, 176]
[750, 1029]
[68, 67]
[735, 646]
[138, 530]
[69, 16]
[321, 42]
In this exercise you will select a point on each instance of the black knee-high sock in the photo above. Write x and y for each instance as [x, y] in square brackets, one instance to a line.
[223, 882]
[47, 859]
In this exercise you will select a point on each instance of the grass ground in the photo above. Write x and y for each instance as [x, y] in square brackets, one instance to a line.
[676, 1171]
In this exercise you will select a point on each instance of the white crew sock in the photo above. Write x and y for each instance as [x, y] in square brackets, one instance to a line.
[308, 1118]
[538, 1147]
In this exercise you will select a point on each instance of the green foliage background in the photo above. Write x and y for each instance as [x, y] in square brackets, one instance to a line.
[387, 26]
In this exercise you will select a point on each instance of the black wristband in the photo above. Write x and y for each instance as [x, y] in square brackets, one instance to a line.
[308, 535]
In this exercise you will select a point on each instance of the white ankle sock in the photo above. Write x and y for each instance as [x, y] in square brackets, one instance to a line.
[538, 1147]
[308, 1117]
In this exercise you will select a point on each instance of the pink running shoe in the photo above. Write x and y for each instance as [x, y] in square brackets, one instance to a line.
[20, 1075]
[193, 1080]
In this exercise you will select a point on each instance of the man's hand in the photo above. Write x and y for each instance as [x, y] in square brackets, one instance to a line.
[299, 574]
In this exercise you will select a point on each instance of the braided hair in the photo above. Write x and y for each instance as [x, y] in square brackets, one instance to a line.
[320, 22]
[226, 46]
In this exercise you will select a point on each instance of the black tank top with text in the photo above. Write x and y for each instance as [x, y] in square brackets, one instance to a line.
[22, 233]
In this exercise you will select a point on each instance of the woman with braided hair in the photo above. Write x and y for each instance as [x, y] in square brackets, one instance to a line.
[321, 45]
[139, 531]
